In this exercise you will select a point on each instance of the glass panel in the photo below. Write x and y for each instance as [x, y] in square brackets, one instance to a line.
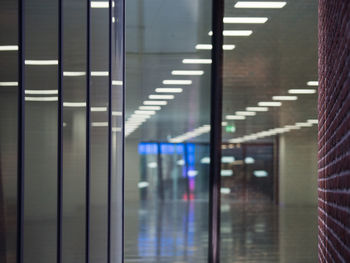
[269, 150]
[74, 130]
[40, 194]
[117, 135]
[167, 130]
[99, 91]
[8, 129]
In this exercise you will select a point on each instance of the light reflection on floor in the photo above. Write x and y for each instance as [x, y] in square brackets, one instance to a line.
[177, 232]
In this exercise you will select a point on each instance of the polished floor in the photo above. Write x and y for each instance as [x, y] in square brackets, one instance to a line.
[176, 232]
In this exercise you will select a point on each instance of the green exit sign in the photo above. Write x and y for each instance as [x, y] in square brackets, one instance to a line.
[230, 128]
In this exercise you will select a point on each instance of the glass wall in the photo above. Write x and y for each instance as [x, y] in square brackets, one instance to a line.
[66, 72]
[8, 129]
[269, 150]
[168, 74]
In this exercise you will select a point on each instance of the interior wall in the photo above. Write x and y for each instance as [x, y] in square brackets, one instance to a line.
[298, 168]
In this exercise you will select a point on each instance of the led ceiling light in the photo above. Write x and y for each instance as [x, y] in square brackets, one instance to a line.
[8, 84]
[270, 103]
[155, 102]
[196, 61]
[117, 82]
[42, 92]
[224, 123]
[41, 62]
[312, 83]
[99, 73]
[169, 90]
[98, 109]
[177, 82]
[234, 117]
[9, 48]
[257, 108]
[73, 73]
[302, 91]
[116, 129]
[245, 20]
[226, 173]
[259, 4]
[284, 97]
[210, 47]
[149, 107]
[187, 72]
[74, 104]
[41, 98]
[246, 113]
[161, 97]
[234, 33]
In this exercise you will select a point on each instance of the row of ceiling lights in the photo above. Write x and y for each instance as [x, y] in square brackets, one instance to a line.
[145, 112]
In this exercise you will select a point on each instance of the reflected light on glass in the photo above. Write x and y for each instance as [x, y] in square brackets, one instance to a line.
[99, 73]
[99, 124]
[245, 20]
[73, 73]
[210, 47]
[155, 102]
[235, 117]
[284, 97]
[196, 61]
[117, 113]
[41, 62]
[177, 82]
[180, 162]
[246, 113]
[149, 107]
[117, 82]
[259, 4]
[98, 109]
[161, 97]
[41, 98]
[74, 104]
[313, 121]
[42, 92]
[192, 173]
[142, 185]
[144, 112]
[227, 159]
[249, 160]
[225, 190]
[234, 33]
[312, 83]
[187, 72]
[226, 173]
[260, 173]
[302, 91]
[100, 4]
[152, 165]
[9, 48]
[205, 160]
[169, 90]
[257, 108]
[8, 84]
[270, 103]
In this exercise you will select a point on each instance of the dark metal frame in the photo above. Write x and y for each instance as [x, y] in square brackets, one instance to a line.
[88, 150]
[215, 132]
[20, 135]
[60, 133]
[109, 214]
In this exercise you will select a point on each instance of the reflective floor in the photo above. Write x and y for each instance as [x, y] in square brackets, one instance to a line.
[176, 232]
